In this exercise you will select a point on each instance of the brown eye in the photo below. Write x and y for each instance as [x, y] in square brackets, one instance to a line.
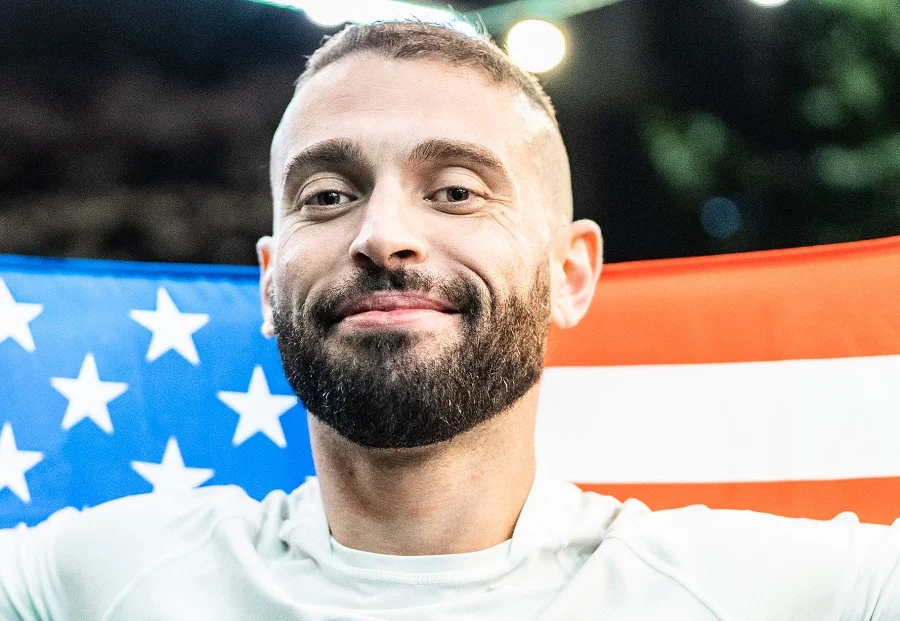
[327, 198]
[455, 195]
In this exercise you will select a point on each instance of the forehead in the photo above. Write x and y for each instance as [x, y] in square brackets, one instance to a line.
[388, 105]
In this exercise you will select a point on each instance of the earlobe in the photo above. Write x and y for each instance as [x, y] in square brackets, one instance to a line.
[579, 270]
[264, 254]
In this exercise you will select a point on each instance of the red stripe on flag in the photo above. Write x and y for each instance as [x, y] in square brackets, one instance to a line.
[833, 301]
[874, 500]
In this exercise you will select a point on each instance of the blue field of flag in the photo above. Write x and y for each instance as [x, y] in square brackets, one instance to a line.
[123, 378]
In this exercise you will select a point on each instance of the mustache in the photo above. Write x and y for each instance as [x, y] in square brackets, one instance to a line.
[458, 291]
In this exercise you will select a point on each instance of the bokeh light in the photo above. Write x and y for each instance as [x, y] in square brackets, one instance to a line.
[536, 45]
[720, 217]
[333, 13]
[769, 3]
[328, 14]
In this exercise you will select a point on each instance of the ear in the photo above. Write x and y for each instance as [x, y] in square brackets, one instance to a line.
[579, 258]
[264, 254]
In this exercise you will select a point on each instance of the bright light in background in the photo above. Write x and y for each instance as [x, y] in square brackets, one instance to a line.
[331, 13]
[535, 45]
[328, 14]
[769, 2]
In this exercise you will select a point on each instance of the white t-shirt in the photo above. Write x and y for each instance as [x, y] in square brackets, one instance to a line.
[215, 554]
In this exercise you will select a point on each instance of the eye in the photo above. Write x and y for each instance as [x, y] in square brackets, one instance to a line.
[327, 198]
[453, 194]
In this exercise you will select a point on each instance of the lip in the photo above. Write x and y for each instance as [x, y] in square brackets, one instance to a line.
[400, 302]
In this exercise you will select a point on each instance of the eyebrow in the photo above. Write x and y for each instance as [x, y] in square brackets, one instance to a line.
[445, 150]
[340, 153]
[343, 153]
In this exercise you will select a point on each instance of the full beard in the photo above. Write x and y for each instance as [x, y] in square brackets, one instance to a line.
[375, 391]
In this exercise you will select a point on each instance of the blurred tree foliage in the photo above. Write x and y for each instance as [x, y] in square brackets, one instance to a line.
[822, 162]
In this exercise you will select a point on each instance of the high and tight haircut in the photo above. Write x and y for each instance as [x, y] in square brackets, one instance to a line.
[440, 42]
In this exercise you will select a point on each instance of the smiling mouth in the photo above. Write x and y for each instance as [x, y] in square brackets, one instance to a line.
[392, 308]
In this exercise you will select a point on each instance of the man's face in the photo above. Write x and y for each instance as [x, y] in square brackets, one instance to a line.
[410, 276]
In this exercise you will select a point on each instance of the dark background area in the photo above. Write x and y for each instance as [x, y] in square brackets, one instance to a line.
[139, 129]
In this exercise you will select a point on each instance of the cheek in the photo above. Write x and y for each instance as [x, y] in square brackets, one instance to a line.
[495, 232]
[473, 241]
[483, 248]
[305, 256]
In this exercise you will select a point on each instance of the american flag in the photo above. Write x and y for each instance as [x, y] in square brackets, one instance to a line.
[122, 378]
[766, 381]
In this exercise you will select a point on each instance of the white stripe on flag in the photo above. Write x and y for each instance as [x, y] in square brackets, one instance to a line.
[728, 422]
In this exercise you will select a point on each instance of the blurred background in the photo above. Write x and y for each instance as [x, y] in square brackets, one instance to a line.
[139, 129]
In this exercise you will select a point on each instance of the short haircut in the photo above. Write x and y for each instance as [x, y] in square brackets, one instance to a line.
[440, 42]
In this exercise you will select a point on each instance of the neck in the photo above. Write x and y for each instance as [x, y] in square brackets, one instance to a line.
[458, 496]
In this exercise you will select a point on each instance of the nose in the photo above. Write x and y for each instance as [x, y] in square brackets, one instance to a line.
[391, 234]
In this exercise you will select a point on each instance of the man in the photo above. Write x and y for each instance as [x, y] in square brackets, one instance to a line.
[423, 243]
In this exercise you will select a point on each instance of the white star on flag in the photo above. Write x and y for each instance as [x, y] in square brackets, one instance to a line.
[14, 463]
[259, 410]
[171, 328]
[171, 474]
[88, 396]
[14, 318]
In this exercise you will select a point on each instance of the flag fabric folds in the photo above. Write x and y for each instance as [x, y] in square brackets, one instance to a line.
[766, 381]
